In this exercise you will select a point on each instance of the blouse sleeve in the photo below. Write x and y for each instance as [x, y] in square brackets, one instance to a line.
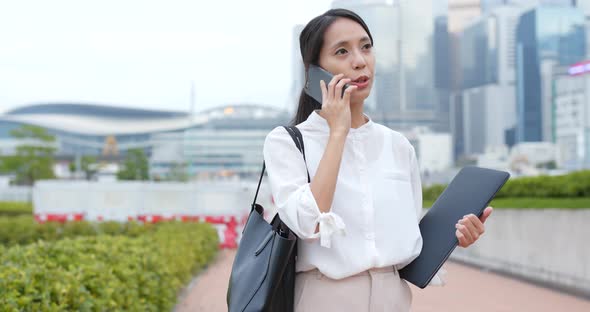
[437, 280]
[296, 205]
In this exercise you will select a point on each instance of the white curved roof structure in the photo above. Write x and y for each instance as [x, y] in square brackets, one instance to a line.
[99, 120]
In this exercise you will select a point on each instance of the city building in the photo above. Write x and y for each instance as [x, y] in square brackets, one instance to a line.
[571, 115]
[547, 35]
[584, 6]
[496, 157]
[443, 69]
[221, 141]
[487, 5]
[461, 13]
[90, 129]
[483, 110]
[229, 143]
[527, 158]
[433, 150]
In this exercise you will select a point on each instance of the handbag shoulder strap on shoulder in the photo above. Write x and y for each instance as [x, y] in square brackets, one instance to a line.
[298, 140]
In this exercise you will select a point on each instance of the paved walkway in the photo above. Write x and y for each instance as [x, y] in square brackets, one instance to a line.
[467, 289]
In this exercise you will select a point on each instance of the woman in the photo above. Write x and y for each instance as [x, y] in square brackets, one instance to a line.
[358, 218]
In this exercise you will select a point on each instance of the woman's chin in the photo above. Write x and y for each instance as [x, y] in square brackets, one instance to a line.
[359, 96]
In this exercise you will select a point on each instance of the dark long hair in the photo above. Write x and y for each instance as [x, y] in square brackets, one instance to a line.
[310, 44]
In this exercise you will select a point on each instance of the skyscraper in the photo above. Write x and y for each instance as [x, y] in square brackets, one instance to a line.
[584, 5]
[546, 36]
[488, 94]
[461, 12]
[571, 114]
[416, 33]
[487, 5]
[442, 57]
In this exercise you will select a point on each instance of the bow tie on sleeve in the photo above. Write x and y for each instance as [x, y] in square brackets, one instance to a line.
[329, 224]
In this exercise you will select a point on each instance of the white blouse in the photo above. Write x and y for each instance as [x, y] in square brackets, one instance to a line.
[373, 221]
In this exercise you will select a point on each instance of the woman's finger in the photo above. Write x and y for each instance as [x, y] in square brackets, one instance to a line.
[465, 231]
[471, 227]
[486, 214]
[339, 86]
[477, 223]
[332, 86]
[461, 238]
[347, 93]
[324, 89]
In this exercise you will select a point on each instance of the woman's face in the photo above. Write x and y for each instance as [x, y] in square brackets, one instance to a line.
[348, 50]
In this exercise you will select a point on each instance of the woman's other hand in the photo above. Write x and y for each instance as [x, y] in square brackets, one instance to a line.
[471, 228]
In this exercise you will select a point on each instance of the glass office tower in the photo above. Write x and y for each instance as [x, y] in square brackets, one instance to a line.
[546, 33]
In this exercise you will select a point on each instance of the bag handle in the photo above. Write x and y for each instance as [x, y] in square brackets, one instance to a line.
[298, 139]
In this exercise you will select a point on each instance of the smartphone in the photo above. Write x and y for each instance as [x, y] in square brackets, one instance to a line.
[313, 87]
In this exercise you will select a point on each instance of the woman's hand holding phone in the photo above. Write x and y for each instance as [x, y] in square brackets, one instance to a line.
[336, 109]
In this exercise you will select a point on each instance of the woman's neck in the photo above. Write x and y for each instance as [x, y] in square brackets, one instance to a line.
[357, 117]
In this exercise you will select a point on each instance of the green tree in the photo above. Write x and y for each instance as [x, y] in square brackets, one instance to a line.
[135, 166]
[548, 165]
[88, 164]
[34, 157]
[178, 173]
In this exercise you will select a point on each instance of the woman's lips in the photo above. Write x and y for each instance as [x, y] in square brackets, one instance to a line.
[360, 85]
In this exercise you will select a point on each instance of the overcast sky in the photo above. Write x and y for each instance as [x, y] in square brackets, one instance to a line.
[140, 53]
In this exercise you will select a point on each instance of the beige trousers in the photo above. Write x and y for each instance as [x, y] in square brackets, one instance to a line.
[375, 290]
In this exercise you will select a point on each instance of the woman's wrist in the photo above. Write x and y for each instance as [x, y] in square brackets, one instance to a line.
[338, 134]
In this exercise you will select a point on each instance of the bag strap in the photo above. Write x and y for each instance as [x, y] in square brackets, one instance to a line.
[298, 139]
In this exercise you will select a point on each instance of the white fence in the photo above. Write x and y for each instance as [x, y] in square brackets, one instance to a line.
[223, 204]
[15, 194]
[121, 201]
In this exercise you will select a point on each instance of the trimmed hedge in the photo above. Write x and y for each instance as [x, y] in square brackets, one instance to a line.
[575, 184]
[9, 209]
[23, 230]
[534, 203]
[106, 273]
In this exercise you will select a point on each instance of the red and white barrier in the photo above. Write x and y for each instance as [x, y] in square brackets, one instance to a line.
[228, 227]
[58, 217]
[222, 204]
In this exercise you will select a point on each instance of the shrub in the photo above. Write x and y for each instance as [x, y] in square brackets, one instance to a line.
[106, 273]
[575, 184]
[23, 230]
[15, 209]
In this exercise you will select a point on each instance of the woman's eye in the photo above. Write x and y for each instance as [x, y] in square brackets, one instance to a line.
[341, 51]
[367, 46]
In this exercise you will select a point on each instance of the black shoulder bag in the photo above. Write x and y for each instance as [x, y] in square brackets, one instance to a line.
[263, 272]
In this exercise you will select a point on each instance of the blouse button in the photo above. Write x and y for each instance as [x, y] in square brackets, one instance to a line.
[370, 236]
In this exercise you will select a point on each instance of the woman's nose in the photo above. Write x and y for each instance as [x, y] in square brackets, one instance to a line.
[358, 61]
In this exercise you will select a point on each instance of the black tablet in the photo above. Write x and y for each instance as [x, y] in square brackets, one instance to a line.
[470, 191]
